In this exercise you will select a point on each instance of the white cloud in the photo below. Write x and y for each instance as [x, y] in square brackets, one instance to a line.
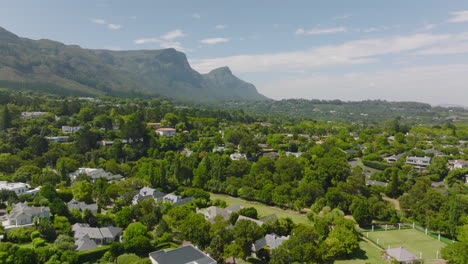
[318, 31]
[432, 84]
[196, 15]
[429, 26]
[104, 22]
[99, 21]
[220, 26]
[212, 41]
[114, 26]
[166, 41]
[459, 16]
[341, 17]
[173, 34]
[349, 53]
[455, 48]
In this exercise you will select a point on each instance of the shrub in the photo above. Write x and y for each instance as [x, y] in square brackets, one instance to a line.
[38, 242]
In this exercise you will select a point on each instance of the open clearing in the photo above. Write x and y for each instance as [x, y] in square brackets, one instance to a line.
[264, 210]
[370, 254]
[413, 240]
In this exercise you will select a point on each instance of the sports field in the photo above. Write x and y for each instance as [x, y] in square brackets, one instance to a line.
[369, 254]
[263, 210]
[412, 240]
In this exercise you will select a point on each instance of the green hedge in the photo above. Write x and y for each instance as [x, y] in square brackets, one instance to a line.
[376, 165]
[92, 255]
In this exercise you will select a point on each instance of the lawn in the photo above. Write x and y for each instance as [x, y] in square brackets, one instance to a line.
[369, 254]
[263, 210]
[413, 240]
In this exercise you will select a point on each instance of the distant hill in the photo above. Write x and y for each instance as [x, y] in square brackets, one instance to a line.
[53, 66]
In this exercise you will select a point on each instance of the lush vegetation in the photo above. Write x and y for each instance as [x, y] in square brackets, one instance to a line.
[320, 179]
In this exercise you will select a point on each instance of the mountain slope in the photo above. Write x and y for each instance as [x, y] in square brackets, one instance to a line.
[98, 72]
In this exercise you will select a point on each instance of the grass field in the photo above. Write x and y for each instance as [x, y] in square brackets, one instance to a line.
[370, 254]
[412, 240]
[263, 210]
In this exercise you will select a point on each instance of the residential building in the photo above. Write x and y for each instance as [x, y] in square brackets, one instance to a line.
[295, 154]
[18, 187]
[183, 255]
[238, 156]
[32, 115]
[59, 139]
[23, 214]
[212, 212]
[81, 206]
[376, 183]
[219, 149]
[393, 158]
[418, 161]
[272, 155]
[71, 129]
[259, 222]
[176, 200]
[100, 236]
[401, 255]
[154, 125]
[269, 241]
[457, 164]
[95, 174]
[436, 153]
[166, 132]
[146, 193]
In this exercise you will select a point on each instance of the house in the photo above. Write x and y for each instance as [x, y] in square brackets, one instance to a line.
[219, 149]
[154, 125]
[59, 139]
[32, 115]
[270, 241]
[295, 154]
[401, 255]
[18, 187]
[22, 214]
[85, 243]
[81, 206]
[434, 152]
[71, 129]
[183, 255]
[211, 212]
[100, 236]
[238, 156]
[146, 193]
[376, 183]
[457, 164]
[272, 155]
[95, 174]
[106, 143]
[393, 158]
[418, 161]
[175, 200]
[259, 222]
[166, 132]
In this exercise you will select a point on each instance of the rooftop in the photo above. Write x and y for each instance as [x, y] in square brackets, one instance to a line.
[183, 255]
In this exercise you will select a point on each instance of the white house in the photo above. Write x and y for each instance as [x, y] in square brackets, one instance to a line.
[81, 206]
[22, 214]
[166, 132]
[238, 156]
[418, 161]
[32, 115]
[457, 164]
[71, 129]
[18, 187]
[95, 174]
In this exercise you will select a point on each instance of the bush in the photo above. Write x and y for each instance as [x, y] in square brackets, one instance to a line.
[38, 242]
[376, 165]
[35, 234]
[20, 234]
[92, 255]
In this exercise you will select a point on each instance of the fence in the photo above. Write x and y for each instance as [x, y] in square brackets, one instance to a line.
[388, 227]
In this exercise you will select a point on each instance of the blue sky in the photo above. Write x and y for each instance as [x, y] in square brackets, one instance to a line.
[349, 50]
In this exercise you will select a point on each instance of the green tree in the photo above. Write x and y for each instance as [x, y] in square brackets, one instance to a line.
[62, 225]
[5, 118]
[39, 145]
[361, 214]
[134, 230]
[64, 242]
[83, 191]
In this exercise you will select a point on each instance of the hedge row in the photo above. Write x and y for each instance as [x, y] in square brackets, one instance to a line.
[92, 255]
[376, 164]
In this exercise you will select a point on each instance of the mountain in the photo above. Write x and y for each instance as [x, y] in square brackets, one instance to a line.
[53, 66]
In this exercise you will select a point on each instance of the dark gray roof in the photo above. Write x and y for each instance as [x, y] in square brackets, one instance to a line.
[183, 255]
[270, 240]
[401, 254]
[85, 243]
